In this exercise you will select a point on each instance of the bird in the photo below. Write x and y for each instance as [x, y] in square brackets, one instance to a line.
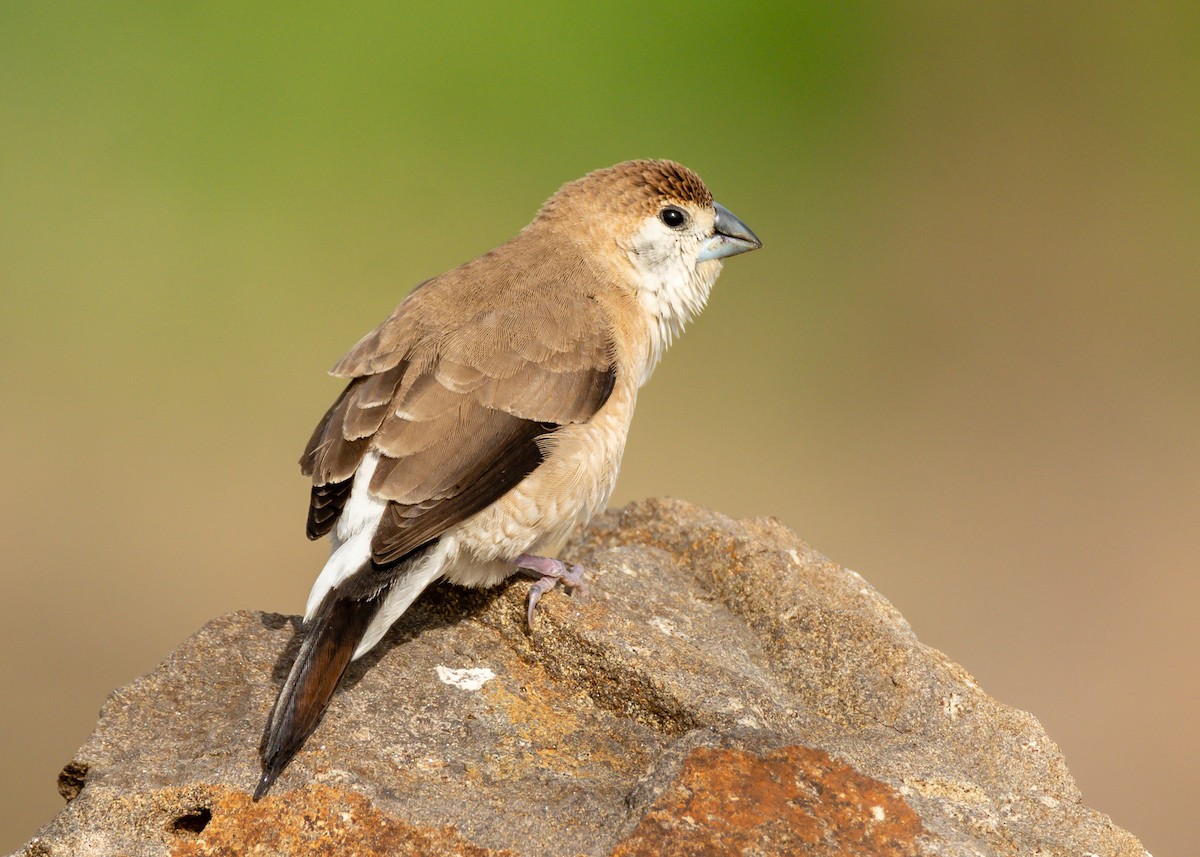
[485, 419]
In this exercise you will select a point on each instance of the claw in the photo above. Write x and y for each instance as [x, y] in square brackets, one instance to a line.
[548, 573]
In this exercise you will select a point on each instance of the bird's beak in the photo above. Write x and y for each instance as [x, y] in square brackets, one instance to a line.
[730, 237]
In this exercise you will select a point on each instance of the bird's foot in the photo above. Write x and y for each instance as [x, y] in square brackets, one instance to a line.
[548, 573]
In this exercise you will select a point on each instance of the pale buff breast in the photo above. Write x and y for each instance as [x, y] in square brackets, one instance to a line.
[571, 485]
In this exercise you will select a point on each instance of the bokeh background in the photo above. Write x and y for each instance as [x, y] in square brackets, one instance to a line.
[966, 362]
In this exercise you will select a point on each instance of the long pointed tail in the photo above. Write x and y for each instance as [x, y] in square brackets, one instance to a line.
[327, 649]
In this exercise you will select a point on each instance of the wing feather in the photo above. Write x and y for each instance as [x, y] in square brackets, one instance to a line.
[457, 412]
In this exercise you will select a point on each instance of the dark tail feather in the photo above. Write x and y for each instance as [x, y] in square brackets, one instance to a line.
[324, 655]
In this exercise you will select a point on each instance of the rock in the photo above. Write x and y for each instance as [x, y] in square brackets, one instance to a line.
[725, 690]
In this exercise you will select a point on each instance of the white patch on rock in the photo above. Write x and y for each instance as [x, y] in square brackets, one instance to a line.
[877, 813]
[468, 679]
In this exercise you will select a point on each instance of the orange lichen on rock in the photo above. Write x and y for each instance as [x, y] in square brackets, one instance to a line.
[316, 820]
[789, 800]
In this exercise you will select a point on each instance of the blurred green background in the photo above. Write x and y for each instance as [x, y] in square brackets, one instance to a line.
[966, 362]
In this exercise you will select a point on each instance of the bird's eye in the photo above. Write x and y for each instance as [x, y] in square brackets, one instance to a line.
[673, 216]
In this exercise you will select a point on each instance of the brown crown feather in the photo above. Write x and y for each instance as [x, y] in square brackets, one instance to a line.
[639, 186]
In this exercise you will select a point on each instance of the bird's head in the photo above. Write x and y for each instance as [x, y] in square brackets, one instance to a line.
[656, 224]
[655, 213]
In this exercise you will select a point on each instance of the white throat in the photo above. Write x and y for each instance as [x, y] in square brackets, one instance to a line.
[672, 289]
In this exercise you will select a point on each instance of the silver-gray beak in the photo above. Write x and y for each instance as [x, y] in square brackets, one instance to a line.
[730, 237]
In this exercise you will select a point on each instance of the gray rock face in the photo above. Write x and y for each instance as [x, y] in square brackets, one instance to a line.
[725, 690]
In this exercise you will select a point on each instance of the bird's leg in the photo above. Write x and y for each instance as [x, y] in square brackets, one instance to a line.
[548, 573]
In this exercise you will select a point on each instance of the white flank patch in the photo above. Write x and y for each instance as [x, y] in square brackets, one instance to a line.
[404, 592]
[468, 679]
[351, 537]
[351, 541]
[362, 511]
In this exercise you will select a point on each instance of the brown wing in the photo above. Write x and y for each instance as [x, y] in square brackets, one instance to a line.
[456, 413]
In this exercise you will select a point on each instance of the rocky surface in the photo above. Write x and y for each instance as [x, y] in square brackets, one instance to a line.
[724, 690]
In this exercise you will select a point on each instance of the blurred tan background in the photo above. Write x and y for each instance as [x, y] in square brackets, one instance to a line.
[966, 362]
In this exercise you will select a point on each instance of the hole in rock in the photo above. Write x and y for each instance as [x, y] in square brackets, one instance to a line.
[194, 820]
[72, 779]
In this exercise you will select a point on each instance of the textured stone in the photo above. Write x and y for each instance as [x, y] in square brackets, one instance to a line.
[725, 690]
[789, 800]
